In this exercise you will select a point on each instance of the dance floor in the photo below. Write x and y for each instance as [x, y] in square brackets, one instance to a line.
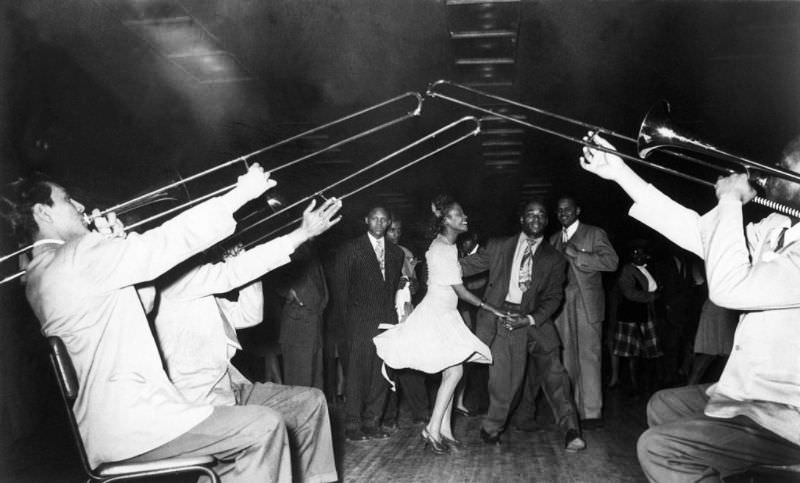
[522, 457]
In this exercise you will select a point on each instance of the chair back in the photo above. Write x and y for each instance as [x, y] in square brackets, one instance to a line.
[68, 386]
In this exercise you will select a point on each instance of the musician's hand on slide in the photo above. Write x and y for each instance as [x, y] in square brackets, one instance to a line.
[109, 225]
[254, 183]
[736, 186]
[606, 165]
[317, 221]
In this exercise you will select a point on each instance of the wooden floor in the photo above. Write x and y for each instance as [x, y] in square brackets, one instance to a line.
[523, 457]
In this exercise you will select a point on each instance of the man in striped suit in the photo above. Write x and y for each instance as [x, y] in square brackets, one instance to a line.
[365, 277]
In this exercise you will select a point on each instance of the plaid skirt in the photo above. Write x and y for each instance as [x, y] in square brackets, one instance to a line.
[633, 339]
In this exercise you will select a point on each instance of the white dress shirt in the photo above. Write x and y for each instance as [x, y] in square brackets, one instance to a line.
[569, 231]
[652, 285]
[514, 293]
[375, 242]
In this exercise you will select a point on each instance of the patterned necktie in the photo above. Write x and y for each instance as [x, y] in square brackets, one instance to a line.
[379, 253]
[526, 267]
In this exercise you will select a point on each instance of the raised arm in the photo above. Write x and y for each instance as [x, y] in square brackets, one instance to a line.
[248, 310]
[734, 281]
[119, 262]
[656, 210]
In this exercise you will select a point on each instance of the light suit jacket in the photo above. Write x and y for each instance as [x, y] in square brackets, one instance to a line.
[541, 299]
[197, 329]
[748, 274]
[595, 255]
[83, 292]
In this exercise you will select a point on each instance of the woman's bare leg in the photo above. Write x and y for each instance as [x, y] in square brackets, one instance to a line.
[439, 423]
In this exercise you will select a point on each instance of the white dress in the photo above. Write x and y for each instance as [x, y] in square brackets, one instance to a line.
[434, 336]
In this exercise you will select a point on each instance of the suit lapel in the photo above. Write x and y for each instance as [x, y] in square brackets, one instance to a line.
[536, 270]
[509, 247]
[369, 253]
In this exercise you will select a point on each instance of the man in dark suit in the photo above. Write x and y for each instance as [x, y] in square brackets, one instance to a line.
[302, 285]
[526, 278]
[365, 277]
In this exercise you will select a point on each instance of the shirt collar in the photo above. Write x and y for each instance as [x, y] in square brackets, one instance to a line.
[372, 240]
[524, 238]
[572, 228]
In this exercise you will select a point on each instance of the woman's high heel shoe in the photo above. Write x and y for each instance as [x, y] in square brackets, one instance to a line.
[437, 447]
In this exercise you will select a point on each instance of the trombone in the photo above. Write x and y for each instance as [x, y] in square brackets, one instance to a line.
[656, 133]
[430, 136]
[159, 194]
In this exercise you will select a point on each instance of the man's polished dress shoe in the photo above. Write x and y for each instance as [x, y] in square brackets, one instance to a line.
[489, 438]
[573, 441]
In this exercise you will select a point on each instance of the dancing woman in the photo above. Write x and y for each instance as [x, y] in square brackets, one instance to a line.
[434, 338]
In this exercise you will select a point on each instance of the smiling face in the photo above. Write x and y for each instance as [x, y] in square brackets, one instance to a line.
[377, 221]
[455, 219]
[533, 219]
[63, 219]
[567, 212]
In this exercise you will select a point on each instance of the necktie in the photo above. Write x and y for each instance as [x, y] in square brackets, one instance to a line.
[779, 243]
[379, 253]
[564, 236]
[526, 267]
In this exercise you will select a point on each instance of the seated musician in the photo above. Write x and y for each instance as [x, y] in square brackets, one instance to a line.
[80, 286]
[752, 415]
[196, 327]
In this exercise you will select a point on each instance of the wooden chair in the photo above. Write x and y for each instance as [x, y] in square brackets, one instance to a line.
[107, 472]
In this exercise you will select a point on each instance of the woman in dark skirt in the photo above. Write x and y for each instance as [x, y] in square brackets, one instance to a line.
[635, 331]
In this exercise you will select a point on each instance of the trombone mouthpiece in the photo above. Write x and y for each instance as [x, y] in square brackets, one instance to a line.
[87, 220]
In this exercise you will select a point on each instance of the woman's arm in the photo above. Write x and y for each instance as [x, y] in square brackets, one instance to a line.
[473, 299]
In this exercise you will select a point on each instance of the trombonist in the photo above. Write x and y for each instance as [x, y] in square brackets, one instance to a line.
[751, 416]
[80, 285]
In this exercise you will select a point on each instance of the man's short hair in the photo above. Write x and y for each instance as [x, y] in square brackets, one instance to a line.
[17, 202]
[535, 199]
[379, 207]
[571, 197]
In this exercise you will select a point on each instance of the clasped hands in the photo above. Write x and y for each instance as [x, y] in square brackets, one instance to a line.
[513, 320]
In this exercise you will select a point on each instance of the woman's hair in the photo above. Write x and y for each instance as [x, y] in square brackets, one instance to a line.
[17, 202]
[439, 208]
